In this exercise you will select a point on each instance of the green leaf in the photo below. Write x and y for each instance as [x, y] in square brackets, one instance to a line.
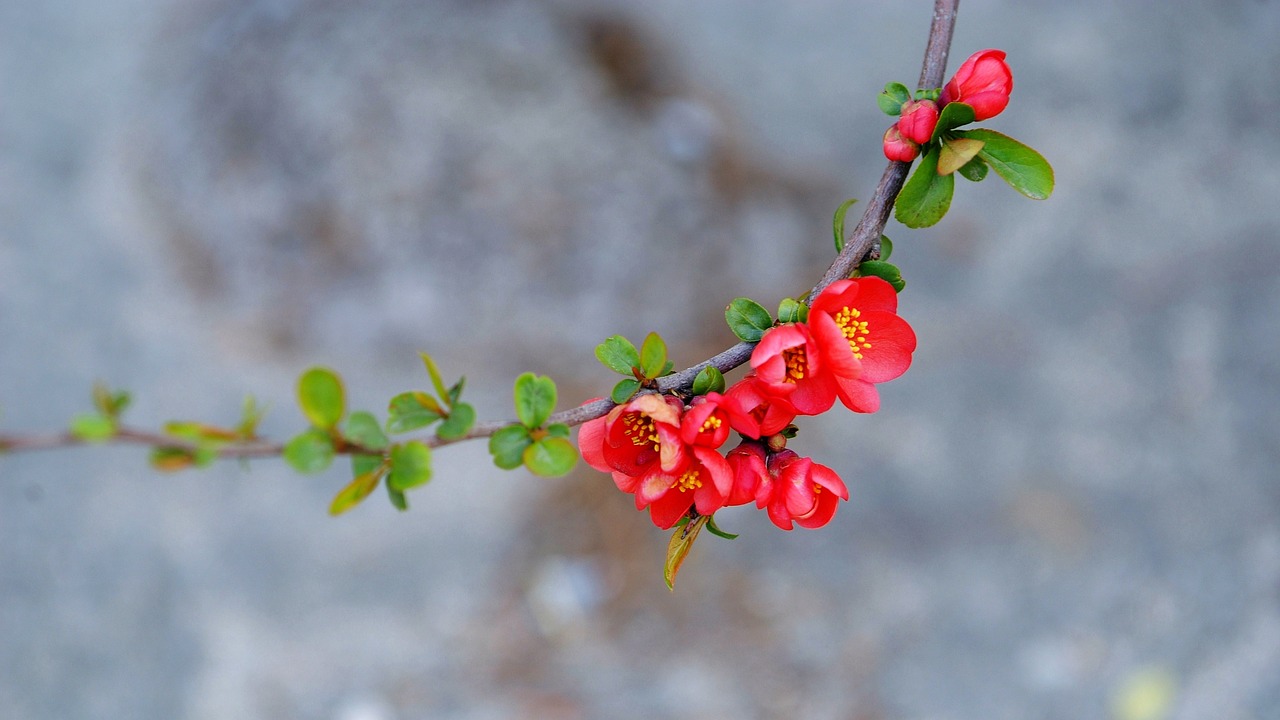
[458, 423]
[558, 430]
[321, 397]
[170, 459]
[310, 452]
[361, 464]
[974, 170]
[550, 457]
[890, 101]
[507, 446]
[886, 247]
[956, 152]
[93, 427]
[715, 530]
[535, 399]
[709, 379]
[953, 115]
[455, 392]
[436, 381]
[791, 310]
[926, 196]
[397, 498]
[110, 404]
[1022, 167]
[886, 271]
[837, 222]
[412, 410]
[355, 492]
[747, 319]
[618, 354]
[623, 391]
[250, 415]
[410, 465]
[679, 546]
[363, 429]
[653, 355]
[667, 369]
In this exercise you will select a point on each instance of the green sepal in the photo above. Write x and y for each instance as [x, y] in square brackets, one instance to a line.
[791, 310]
[926, 196]
[837, 222]
[891, 100]
[507, 446]
[708, 379]
[883, 270]
[321, 397]
[355, 492]
[436, 381]
[747, 319]
[458, 423]
[974, 170]
[410, 465]
[412, 410]
[1024, 169]
[535, 398]
[953, 115]
[618, 354]
[550, 457]
[714, 530]
[309, 452]
[623, 391]
[364, 430]
[653, 356]
[93, 427]
[886, 247]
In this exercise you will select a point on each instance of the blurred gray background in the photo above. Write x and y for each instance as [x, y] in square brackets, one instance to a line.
[1068, 508]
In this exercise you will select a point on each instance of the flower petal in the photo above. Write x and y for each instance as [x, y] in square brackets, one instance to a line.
[892, 342]
[859, 396]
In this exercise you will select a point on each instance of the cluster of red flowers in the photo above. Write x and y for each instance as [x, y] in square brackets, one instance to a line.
[983, 82]
[666, 453]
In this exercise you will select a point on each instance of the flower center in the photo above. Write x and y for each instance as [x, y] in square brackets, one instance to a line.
[854, 330]
[639, 427]
[689, 481]
[797, 363]
[711, 424]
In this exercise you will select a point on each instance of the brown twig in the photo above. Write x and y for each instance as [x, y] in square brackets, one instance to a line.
[859, 244]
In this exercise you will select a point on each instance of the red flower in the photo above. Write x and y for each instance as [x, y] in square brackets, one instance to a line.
[707, 421]
[702, 482]
[919, 118]
[856, 320]
[797, 489]
[634, 439]
[789, 363]
[899, 148]
[984, 82]
[748, 464]
[756, 412]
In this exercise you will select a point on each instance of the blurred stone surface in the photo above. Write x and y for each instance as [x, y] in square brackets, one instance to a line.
[1075, 485]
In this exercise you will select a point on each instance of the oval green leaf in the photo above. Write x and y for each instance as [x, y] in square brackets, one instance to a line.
[321, 397]
[618, 354]
[364, 430]
[974, 170]
[410, 465]
[93, 427]
[550, 457]
[747, 319]
[535, 399]
[953, 115]
[459, 422]
[886, 248]
[412, 410]
[356, 491]
[310, 452]
[885, 271]
[926, 196]
[956, 152]
[436, 381]
[1022, 167]
[791, 310]
[623, 391]
[653, 355]
[709, 379]
[679, 546]
[507, 446]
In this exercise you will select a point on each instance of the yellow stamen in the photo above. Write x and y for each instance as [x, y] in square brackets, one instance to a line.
[854, 330]
[689, 481]
[640, 428]
[711, 423]
[797, 363]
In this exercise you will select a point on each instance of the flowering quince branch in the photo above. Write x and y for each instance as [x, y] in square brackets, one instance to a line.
[660, 433]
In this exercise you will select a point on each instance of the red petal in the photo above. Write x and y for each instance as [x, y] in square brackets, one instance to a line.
[591, 444]
[652, 487]
[892, 342]
[829, 480]
[838, 295]
[718, 468]
[834, 346]
[822, 513]
[859, 396]
[779, 516]
[875, 294]
[667, 511]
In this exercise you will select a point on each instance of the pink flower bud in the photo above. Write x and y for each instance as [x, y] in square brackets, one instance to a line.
[919, 118]
[897, 147]
[984, 82]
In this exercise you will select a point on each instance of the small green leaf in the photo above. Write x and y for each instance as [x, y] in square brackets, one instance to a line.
[1022, 167]
[956, 152]
[410, 465]
[170, 459]
[886, 271]
[550, 457]
[110, 404]
[623, 391]
[953, 115]
[709, 379]
[397, 498]
[458, 423]
[618, 354]
[535, 399]
[355, 492]
[361, 464]
[715, 530]
[886, 247]
[837, 222]
[679, 546]
[558, 430]
[250, 415]
[747, 319]
[455, 392]
[321, 397]
[891, 100]
[436, 381]
[507, 446]
[653, 355]
[310, 452]
[974, 170]
[667, 369]
[363, 429]
[791, 310]
[93, 427]
[412, 410]
[926, 196]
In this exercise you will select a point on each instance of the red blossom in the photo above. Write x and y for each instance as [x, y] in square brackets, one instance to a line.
[983, 82]
[756, 412]
[899, 148]
[797, 489]
[748, 464]
[635, 438]
[707, 421]
[919, 118]
[703, 482]
[789, 363]
[857, 319]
